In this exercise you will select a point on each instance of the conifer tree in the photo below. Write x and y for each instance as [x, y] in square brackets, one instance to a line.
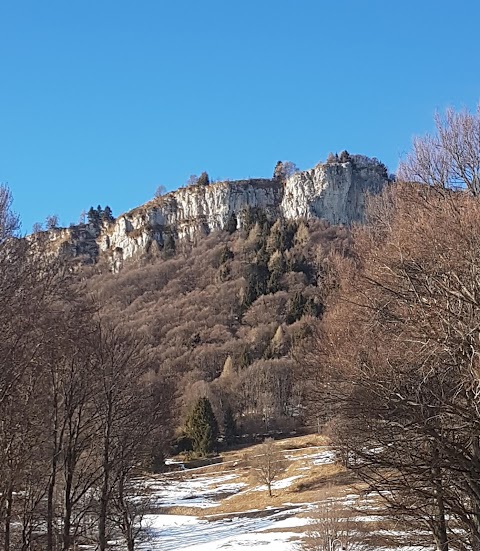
[93, 216]
[227, 254]
[229, 426]
[231, 225]
[296, 306]
[202, 427]
[107, 214]
[169, 246]
[228, 370]
[203, 179]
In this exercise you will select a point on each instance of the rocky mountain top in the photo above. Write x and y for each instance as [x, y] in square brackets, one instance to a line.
[334, 191]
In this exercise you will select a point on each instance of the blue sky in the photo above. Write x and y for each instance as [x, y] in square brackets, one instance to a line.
[101, 101]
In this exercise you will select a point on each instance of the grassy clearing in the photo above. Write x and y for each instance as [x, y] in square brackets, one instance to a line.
[301, 452]
[312, 478]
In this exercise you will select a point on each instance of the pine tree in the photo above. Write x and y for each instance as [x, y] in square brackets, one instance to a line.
[203, 179]
[276, 266]
[231, 225]
[107, 214]
[229, 426]
[92, 216]
[202, 427]
[227, 254]
[296, 306]
[257, 283]
[278, 173]
[169, 246]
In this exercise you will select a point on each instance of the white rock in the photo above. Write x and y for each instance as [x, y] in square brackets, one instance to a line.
[334, 191]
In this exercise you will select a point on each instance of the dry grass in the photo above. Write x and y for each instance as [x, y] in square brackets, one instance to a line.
[303, 490]
[309, 493]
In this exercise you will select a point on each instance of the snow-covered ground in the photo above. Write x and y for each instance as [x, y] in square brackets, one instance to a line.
[271, 528]
[200, 491]
[181, 532]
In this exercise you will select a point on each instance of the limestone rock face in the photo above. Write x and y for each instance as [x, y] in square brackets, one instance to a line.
[78, 243]
[187, 212]
[334, 191]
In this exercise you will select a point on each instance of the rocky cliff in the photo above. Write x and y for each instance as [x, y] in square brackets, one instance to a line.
[334, 191]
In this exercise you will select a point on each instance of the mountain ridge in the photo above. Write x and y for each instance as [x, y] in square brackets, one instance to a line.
[334, 191]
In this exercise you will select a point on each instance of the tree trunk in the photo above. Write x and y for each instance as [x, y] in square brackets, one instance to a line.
[67, 516]
[127, 521]
[50, 505]
[8, 517]
[102, 520]
[440, 523]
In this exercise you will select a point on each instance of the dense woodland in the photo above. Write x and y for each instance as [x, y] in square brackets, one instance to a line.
[222, 317]
[370, 333]
[103, 374]
[80, 413]
[394, 363]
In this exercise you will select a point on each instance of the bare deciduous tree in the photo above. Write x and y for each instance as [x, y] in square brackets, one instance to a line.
[267, 464]
[397, 359]
[161, 190]
[52, 221]
[9, 221]
[79, 414]
[449, 158]
[192, 180]
[333, 527]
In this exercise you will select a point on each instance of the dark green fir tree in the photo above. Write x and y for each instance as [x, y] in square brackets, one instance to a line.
[229, 426]
[202, 427]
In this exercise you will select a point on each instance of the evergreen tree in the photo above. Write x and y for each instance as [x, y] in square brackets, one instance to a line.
[313, 308]
[107, 215]
[278, 173]
[169, 246]
[251, 216]
[202, 427]
[296, 306]
[227, 254]
[244, 360]
[203, 179]
[257, 277]
[92, 216]
[276, 266]
[231, 225]
[284, 169]
[229, 426]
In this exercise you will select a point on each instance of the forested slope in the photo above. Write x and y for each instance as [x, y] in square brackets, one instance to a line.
[222, 317]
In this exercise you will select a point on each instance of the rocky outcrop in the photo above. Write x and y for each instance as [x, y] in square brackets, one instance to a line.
[188, 211]
[78, 243]
[334, 191]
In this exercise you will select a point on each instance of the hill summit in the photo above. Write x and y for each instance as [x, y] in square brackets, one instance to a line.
[334, 191]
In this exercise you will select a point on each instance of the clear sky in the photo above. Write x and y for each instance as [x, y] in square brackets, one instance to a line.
[101, 101]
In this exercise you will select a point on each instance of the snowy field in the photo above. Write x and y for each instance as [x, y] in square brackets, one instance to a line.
[181, 532]
[244, 530]
[206, 490]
